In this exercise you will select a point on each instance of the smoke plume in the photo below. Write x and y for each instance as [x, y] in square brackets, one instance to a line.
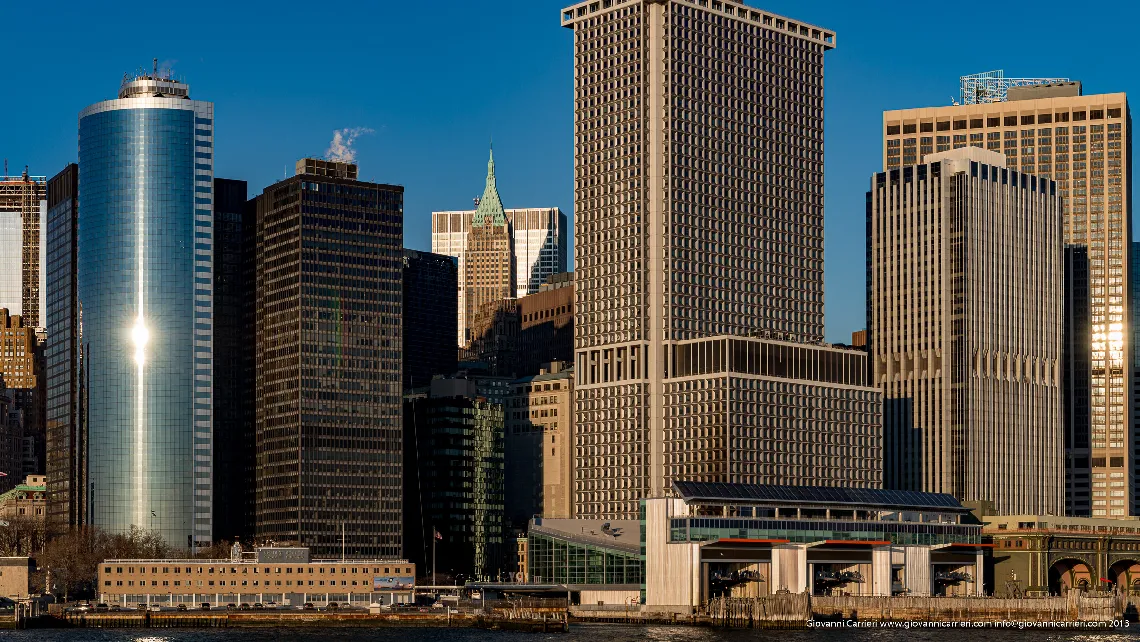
[340, 149]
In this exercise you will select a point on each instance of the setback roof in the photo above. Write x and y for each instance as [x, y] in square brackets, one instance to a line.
[622, 534]
[829, 495]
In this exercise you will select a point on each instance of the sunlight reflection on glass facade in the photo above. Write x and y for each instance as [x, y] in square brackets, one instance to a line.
[145, 284]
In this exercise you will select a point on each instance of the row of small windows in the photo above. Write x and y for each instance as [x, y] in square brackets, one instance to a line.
[1006, 121]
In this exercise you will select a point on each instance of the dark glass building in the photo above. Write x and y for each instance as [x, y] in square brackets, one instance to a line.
[1136, 369]
[454, 480]
[145, 288]
[66, 438]
[328, 362]
[1077, 375]
[431, 316]
[234, 339]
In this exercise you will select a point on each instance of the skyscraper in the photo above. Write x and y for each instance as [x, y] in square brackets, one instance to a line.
[699, 258]
[430, 316]
[145, 288]
[1083, 143]
[234, 342]
[538, 249]
[966, 267]
[66, 432]
[22, 205]
[1076, 381]
[539, 241]
[329, 332]
[20, 374]
[488, 261]
[454, 454]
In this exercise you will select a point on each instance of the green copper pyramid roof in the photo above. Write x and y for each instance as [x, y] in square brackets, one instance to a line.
[490, 206]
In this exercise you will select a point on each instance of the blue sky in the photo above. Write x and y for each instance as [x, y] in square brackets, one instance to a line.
[436, 80]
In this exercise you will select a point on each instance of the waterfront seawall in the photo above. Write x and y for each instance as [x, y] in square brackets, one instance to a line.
[796, 610]
[542, 622]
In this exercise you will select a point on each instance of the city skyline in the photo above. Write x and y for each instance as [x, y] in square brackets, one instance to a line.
[432, 137]
[700, 358]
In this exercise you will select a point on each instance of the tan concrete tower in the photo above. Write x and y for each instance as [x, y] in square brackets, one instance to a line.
[699, 257]
[965, 268]
[488, 262]
[1083, 143]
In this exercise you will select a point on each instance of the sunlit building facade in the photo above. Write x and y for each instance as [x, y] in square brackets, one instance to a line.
[145, 285]
[1084, 143]
[965, 312]
[539, 240]
[698, 205]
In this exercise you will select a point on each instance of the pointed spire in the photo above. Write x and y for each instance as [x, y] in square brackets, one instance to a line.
[490, 206]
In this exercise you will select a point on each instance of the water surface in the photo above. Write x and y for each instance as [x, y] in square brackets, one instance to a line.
[578, 633]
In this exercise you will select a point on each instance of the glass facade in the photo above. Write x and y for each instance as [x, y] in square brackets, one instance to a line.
[430, 316]
[454, 479]
[328, 362]
[66, 441]
[557, 560]
[145, 290]
[700, 529]
[234, 337]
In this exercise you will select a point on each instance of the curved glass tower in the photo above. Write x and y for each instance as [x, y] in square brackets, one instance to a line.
[145, 291]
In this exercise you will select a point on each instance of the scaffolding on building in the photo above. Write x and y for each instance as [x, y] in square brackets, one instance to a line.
[993, 86]
[24, 194]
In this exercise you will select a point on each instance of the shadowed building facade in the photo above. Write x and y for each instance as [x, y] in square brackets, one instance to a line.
[539, 444]
[328, 361]
[966, 271]
[1077, 380]
[66, 433]
[234, 342]
[430, 316]
[454, 478]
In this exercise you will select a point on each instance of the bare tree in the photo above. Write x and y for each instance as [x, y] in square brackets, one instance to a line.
[23, 536]
[73, 559]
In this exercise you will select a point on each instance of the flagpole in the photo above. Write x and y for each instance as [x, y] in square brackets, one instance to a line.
[433, 538]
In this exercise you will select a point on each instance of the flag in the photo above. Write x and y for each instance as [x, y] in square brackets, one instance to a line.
[437, 535]
[3, 474]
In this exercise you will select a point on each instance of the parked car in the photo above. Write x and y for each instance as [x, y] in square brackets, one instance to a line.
[181, 607]
[154, 608]
[140, 606]
[309, 606]
[231, 607]
[244, 606]
[102, 608]
[205, 606]
[258, 606]
[116, 607]
[271, 605]
[333, 606]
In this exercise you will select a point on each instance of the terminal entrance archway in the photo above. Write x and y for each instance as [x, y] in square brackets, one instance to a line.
[1126, 575]
[1069, 574]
